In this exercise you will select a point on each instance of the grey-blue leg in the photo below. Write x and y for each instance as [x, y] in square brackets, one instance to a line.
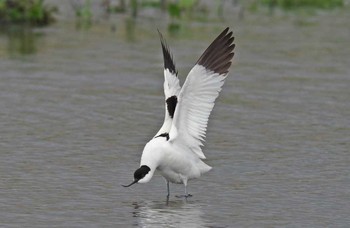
[167, 186]
[186, 193]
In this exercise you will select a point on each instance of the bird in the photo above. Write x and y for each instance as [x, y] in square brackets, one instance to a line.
[176, 149]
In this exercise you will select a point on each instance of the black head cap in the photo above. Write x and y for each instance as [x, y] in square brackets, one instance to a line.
[139, 174]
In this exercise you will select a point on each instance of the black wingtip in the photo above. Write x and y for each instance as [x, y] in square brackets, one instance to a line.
[217, 57]
[168, 58]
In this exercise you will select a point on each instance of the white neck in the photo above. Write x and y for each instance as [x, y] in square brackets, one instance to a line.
[166, 125]
[151, 157]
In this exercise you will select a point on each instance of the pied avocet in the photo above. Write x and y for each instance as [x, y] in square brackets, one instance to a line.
[175, 151]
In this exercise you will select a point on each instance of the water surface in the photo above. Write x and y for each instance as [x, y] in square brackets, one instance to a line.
[78, 107]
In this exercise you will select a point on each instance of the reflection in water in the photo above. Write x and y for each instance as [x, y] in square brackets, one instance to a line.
[21, 40]
[174, 29]
[130, 25]
[83, 24]
[83, 14]
[168, 214]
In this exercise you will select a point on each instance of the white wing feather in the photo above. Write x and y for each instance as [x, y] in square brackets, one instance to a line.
[171, 88]
[171, 84]
[197, 96]
[196, 101]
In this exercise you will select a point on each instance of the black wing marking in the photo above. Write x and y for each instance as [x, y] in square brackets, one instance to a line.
[167, 56]
[166, 135]
[171, 105]
[217, 57]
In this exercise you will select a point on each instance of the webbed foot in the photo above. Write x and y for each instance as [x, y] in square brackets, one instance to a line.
[184, 196]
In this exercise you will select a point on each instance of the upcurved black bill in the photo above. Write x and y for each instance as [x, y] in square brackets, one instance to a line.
[134, 182]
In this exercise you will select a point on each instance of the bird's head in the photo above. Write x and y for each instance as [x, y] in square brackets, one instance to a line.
[141, 175]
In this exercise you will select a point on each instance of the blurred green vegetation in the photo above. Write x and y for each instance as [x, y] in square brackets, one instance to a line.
[83, 13]
[175, 8]
[183, 8]
[178, 10]
[33, 12]
[296, 4]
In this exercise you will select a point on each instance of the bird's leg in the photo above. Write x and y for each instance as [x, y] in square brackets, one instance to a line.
[168, 189]
[186, 193]
[167, 186]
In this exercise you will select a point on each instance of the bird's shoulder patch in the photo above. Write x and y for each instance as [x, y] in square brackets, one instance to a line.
[166, 135]
[171, 105]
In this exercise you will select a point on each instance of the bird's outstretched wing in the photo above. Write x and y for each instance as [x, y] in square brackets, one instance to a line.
[171, 89]
[197, 96]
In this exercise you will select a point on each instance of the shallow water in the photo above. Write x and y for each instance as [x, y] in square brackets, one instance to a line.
[77, 107]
